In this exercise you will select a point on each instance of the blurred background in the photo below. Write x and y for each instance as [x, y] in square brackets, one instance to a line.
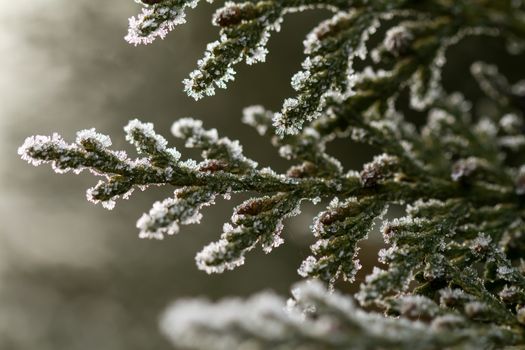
[74, 275]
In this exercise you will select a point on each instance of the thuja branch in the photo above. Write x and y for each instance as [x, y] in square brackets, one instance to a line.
[452, 271]
[224, 171]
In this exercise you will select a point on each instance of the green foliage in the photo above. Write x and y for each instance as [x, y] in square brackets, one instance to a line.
[452, 274]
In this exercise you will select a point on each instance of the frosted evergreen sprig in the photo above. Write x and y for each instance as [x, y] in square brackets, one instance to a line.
[245, 30]
[433, 245]
[157, 19]
[90, 152]
[223, 171]
[307, 148]
[317, 319]
[256, 220]
[451, 273]
[338, 230]
[331, 48]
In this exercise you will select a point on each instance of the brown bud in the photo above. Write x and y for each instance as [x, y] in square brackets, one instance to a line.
[389, 231]
[379, 169]
[328, 217]
[228, 16]
[213, 165]
[151, 2]
[253, 207]
[307, 169]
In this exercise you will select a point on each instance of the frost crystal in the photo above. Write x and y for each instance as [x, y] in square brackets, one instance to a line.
[157, 20]
[40, 145]
[91, 137]
[257, 117]
[207, 258]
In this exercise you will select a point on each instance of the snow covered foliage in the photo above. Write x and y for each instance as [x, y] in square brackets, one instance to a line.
[315, 318]
[452, 273]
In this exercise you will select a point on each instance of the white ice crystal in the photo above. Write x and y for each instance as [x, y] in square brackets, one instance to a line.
[192, 130]
[146, 131]
[275, 239]
[156, 21]
[250, 118]
[165, 216]
[207, 257]
[90, 135]
[42, 146]
[307, 266]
